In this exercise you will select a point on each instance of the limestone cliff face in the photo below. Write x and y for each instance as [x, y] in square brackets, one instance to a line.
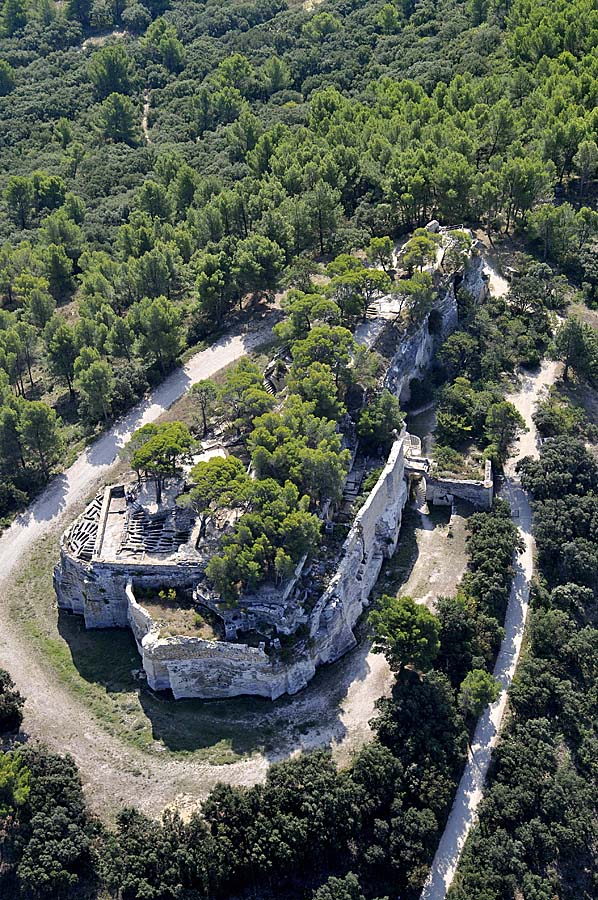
[417, 350]
[94, 592]
[192, 667]
[372, 538]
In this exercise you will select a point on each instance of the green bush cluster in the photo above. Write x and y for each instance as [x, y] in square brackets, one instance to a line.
[277, 134]
[537, 830]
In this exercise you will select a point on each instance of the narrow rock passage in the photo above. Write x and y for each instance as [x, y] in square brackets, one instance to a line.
[470, 791]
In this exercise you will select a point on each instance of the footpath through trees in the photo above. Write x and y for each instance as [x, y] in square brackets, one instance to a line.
[470, 791]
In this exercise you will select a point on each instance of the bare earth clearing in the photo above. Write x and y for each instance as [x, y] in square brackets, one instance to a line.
[441, 556]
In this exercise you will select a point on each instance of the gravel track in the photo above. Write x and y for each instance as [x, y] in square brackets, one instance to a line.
[471, 787]
[334, 710]
[114, 773]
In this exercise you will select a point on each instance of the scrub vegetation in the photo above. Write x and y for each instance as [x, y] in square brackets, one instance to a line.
[167, 167]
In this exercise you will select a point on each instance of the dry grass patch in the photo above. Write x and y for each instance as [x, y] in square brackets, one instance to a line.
[584, 313]
[178, 618]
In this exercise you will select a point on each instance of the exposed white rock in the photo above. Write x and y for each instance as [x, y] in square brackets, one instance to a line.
[125, 541]
[104, 593]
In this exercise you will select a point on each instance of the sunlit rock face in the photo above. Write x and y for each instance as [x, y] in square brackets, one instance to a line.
[103, 590]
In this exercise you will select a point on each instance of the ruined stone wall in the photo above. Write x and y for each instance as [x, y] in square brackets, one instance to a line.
[475, 278]
[479, 493]
[372, 538]
[193, 667]
[417, 350]
[97, 590]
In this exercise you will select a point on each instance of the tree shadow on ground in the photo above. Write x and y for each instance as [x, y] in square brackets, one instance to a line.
[49, 503]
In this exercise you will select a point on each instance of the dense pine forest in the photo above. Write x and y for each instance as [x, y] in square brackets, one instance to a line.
[167, 169]
[161, 166]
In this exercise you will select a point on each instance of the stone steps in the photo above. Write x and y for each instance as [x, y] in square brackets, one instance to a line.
[82, 537]
[164, 532]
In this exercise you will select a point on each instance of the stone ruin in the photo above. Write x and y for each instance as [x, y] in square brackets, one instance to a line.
[126, 548]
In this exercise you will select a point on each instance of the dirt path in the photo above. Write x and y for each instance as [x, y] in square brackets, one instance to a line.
[470, 791]
[496, 282]
[113, 773]
[334, 710]
[144, 125]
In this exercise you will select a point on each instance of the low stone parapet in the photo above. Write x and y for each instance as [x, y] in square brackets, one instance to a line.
[480, 493]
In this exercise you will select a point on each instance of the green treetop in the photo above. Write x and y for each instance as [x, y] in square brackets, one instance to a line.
[109, 71]
[116, 119]
[218, 483]
[478, 689]
[11, 710]
[267, 542]
[14, 784]
[317, 385]
[503, 424]
[420, 250]
[204, 394]
[294, 444]
[303, 311]
[378, 421]
[380, 252]
[158, 451]
[332, 345]
[406, 632]
[39, 431]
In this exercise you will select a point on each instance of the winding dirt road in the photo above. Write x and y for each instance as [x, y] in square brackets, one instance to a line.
[334, 710]
[65, 491]
[470, 791]
[113, 774]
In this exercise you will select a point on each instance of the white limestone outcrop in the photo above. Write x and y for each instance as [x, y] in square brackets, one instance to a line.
[194, 667]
